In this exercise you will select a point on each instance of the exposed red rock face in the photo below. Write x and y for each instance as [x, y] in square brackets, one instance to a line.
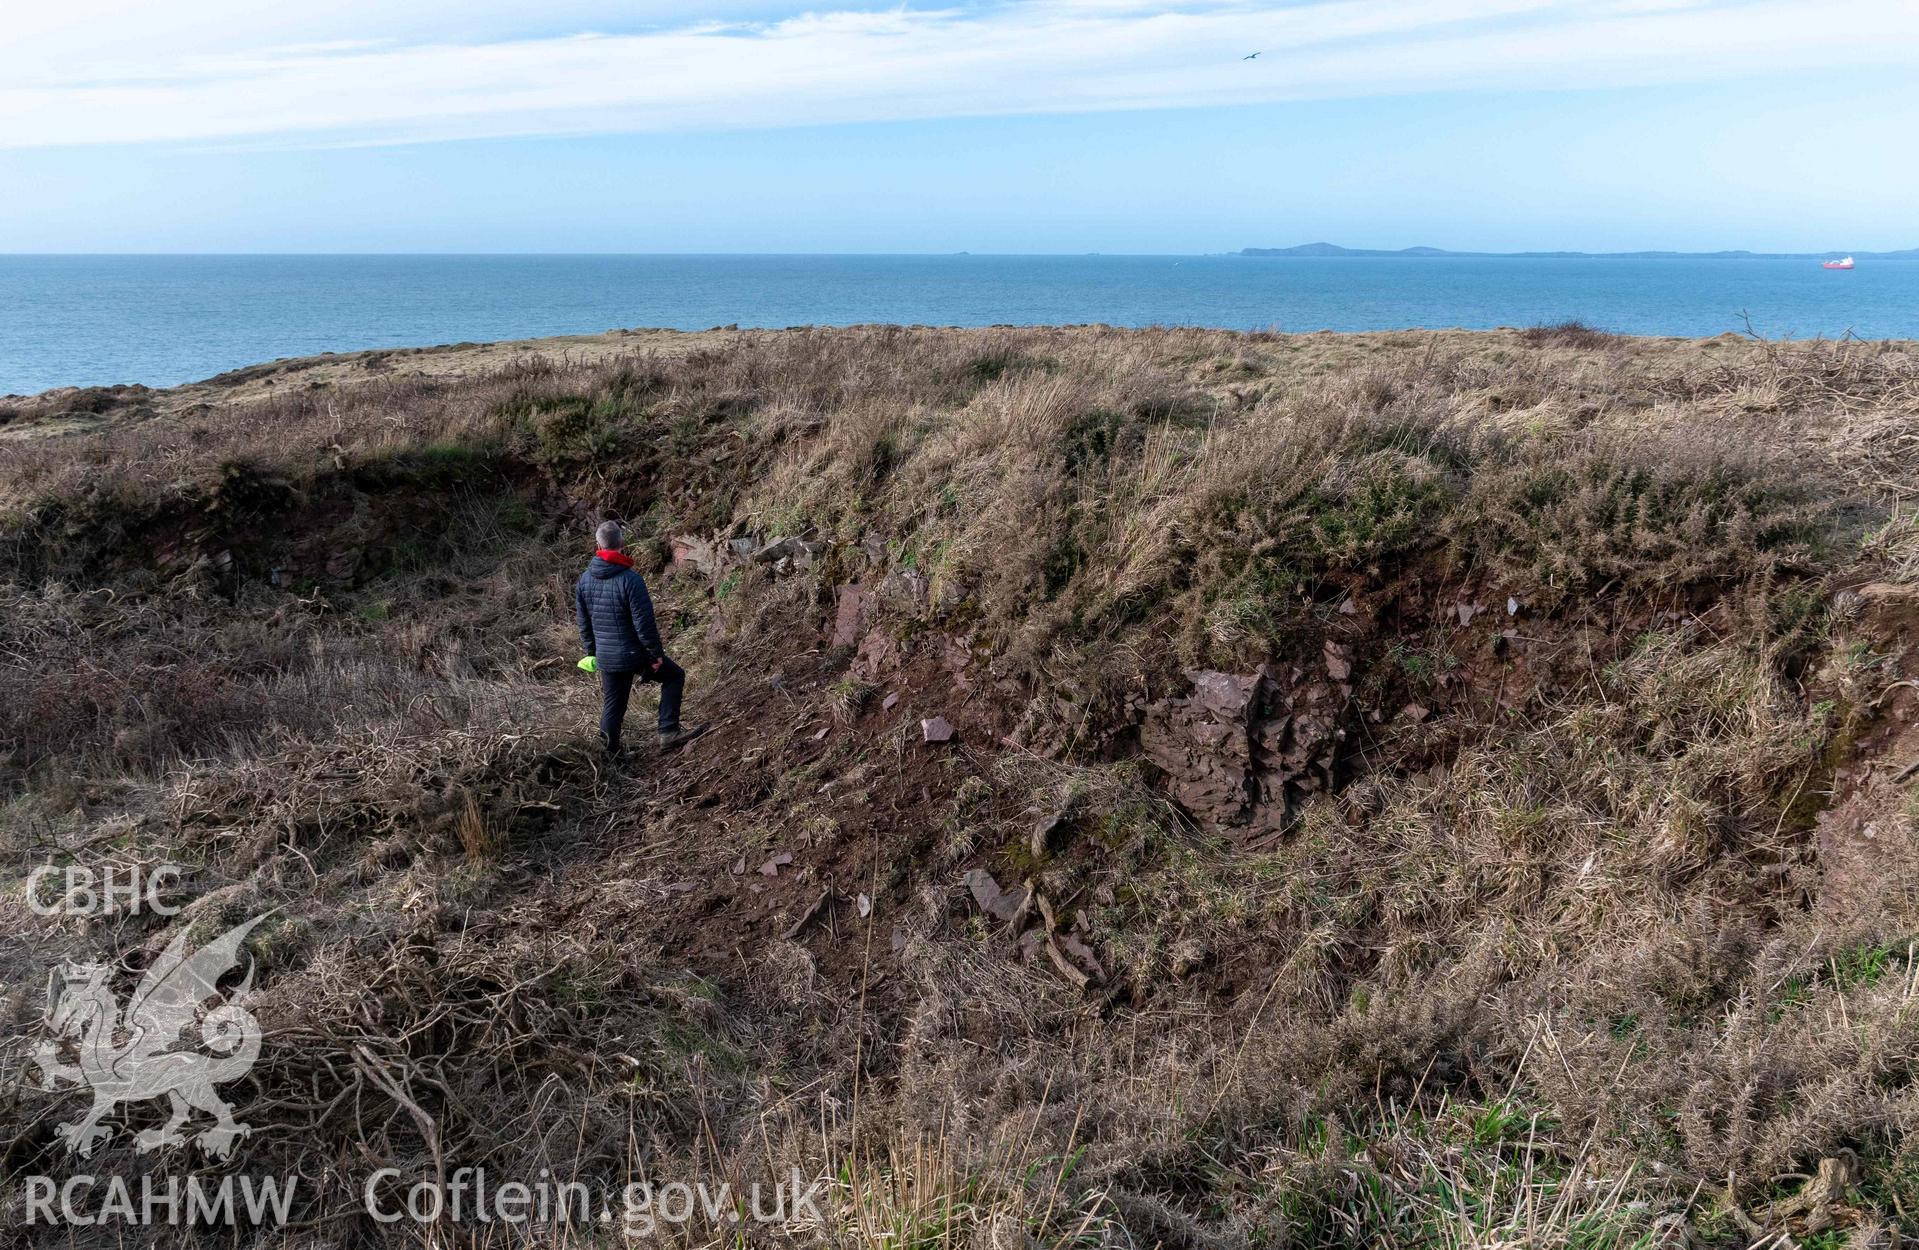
[849, 618]
[1241, 751]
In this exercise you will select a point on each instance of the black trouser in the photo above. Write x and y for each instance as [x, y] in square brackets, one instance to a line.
[615, 688]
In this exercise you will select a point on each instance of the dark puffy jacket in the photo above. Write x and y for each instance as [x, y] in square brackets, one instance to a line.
[616, 618]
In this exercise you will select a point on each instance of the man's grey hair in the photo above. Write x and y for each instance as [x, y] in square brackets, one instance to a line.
[610, 536]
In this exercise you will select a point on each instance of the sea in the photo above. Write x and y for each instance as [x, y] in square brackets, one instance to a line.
[163, 320]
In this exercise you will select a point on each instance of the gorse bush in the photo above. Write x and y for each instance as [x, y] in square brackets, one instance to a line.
[1647, 518]
[1571, 333]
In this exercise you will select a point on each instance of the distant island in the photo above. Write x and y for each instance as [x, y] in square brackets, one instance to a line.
[1333, 249]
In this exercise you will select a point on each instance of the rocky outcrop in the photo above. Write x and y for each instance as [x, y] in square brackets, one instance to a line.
[785, 554]
[710, 556]
[689, 553]
[1242, 752]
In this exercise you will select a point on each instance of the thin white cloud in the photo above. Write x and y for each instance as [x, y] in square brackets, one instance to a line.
[219, 70]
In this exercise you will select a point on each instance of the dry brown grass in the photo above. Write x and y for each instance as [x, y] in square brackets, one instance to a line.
[1565, 959]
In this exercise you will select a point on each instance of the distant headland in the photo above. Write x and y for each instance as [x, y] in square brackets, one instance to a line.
[1333, 249]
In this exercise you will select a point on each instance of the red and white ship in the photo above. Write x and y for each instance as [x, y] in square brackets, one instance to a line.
[1844, 262]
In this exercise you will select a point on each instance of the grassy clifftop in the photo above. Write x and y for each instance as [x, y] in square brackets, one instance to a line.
[1424, 788]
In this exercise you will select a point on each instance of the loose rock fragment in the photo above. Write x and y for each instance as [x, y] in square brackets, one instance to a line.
[793, 930]
[1083, 955]
[779, 548]
[995, 902]
[849, 617]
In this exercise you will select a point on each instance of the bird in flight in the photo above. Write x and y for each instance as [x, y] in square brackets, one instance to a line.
[1250, 57]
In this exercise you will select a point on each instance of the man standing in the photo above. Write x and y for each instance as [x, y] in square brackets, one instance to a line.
[617, 629]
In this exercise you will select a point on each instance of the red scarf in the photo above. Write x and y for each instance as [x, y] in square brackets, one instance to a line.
[615, 557]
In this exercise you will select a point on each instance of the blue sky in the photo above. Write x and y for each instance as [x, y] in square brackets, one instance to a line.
[1056, 126]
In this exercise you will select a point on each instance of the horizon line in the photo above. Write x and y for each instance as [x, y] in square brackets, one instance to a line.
[1370, 253]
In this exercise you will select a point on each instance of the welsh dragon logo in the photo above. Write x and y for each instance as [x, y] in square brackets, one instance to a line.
[141, 1056]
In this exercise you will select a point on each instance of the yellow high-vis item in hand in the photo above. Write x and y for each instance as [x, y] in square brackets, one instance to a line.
[589, 665]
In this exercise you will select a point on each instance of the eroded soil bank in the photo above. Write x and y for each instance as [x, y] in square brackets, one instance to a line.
[1166, 787]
